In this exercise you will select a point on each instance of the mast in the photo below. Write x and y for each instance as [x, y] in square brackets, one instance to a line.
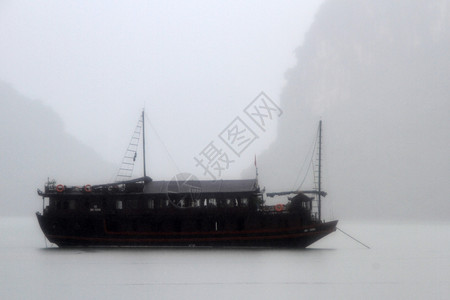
[320, 169]
[143, 143]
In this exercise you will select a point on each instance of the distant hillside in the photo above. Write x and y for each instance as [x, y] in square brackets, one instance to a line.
[34, 146]
[378, 73]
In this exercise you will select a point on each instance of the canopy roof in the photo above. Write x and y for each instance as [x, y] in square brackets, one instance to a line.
[202, 186]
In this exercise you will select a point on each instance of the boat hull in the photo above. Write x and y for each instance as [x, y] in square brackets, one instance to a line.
[97, 232]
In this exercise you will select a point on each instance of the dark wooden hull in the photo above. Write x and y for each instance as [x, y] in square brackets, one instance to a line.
[101, 230]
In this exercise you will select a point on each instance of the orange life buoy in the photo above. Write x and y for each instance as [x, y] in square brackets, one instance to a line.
[60, 188]
[88, 188]
[279, 207]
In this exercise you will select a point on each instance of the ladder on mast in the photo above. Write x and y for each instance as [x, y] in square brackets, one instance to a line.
[127, 166]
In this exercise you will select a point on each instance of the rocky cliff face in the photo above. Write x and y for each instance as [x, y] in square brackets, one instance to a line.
[34, 146]
[378, 74]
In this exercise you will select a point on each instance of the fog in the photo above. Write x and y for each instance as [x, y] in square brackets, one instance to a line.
[75, 77]
[194, 66]
[377, 73]
[98, 64]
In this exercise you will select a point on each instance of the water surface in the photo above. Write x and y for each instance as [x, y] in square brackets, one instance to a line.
[406, 261]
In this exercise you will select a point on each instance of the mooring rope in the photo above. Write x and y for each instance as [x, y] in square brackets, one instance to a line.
[353, 238]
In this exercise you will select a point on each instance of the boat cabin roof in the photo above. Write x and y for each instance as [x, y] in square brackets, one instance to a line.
[147, 186]
[202, 186]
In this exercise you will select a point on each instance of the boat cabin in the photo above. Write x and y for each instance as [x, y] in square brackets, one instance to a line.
[144, 195]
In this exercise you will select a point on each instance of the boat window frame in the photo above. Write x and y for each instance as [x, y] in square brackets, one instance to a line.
[151, 203]
[212, 202]
[119, 204]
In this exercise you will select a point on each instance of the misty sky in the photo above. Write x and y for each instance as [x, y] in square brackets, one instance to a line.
[375, 71]
[194, 65]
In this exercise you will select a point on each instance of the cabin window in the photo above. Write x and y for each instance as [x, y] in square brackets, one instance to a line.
[72, 204]
[212, 202]
[180, 203]
[151, 203]
[188, 201]
[230, 202]
[119, 204]
[133, 203]
[244, 202]
[46, 203]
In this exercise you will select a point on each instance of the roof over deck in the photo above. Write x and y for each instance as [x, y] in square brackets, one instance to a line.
[202, 186]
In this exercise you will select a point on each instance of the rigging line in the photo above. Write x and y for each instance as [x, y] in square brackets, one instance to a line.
[312, 147]
[352, 237]
[311, 163]
[162, 142]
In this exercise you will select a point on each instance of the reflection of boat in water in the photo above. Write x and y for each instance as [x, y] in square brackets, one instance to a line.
[181, 212]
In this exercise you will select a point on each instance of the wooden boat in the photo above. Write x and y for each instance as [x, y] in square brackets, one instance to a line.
[183, 212]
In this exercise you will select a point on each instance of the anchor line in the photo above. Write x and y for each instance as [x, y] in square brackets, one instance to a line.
[352, 238]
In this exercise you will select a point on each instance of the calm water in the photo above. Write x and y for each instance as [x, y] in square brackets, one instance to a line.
[406, 261]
